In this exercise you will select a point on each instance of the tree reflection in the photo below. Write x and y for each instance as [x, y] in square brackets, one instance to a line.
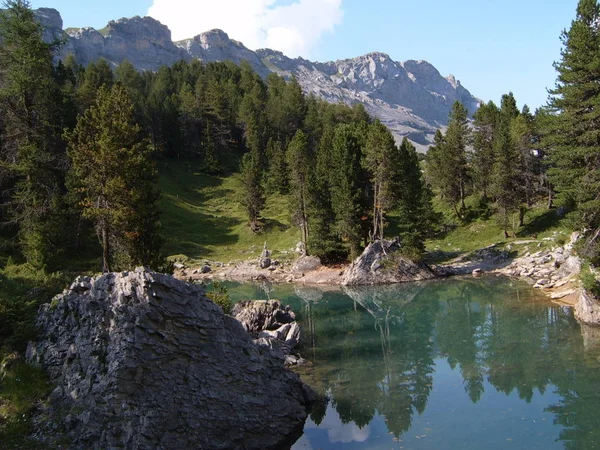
[375, 355]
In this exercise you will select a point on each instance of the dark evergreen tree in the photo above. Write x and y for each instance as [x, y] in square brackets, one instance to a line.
[300, 167]
[448, 160]
[347, 187]
[254, 198]
[506, 177]
[32, 152]
[113, 175]
[573, 134]
[485, 123]
[380, 160]
[415, 211]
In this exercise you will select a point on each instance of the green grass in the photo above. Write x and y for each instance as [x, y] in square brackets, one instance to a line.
[21, 387]
[541, 225]
[202, 218]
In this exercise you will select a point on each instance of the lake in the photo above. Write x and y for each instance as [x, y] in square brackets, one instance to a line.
[484, 363]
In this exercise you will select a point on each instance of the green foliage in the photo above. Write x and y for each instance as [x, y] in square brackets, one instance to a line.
[381, 162]
[300, 167]
[590, 282]
[218, 294]
[572, 130]
[506, 181]
[31, 118]
[485, 123]
[253, 199]
[447, 160]
[347, 187]
[114, 179]
[415, 214]
[21, 388]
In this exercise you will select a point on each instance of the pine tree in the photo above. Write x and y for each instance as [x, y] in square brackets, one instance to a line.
[448, 160]
[414, 208]
[253, 192]
[299, 163]
[506, 186]
[573, 134]
[32, 152]
[485, 123]
[115, 179]
[380, 160]
[524, 137]
[346, 186]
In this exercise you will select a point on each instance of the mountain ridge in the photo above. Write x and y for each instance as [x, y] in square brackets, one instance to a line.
[411, 98]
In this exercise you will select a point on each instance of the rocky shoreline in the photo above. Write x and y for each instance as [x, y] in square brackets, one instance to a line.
[555, 272]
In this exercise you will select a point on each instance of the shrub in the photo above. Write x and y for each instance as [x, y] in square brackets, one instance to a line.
[589, 281]
[218, 294]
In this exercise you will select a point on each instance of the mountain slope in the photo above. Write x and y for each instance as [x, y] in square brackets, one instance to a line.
[412, 98]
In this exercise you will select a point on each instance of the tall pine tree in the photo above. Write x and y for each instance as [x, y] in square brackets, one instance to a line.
[32, 152]
[114, 177]
[573, 134]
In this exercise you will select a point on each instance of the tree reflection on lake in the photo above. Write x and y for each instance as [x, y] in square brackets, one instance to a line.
[463, 363]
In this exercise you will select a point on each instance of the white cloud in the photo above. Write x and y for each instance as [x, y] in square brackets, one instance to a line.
[295, 29]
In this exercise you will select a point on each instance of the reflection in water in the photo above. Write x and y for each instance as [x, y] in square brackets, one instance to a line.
[454, 364]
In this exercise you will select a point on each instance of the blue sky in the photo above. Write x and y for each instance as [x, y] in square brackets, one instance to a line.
[492, 47]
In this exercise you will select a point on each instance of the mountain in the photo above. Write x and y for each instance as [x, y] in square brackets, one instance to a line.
[412, 98]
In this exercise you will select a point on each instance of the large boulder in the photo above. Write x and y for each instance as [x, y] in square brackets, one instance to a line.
[142, 360]
[587, 309]
[272, 326]
[382, 263]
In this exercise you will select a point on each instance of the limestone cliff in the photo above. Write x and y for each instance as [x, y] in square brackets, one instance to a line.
[412, 98]
[142, 360]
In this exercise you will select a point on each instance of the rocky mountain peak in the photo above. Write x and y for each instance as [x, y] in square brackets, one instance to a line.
[412, 98]
[141, 28]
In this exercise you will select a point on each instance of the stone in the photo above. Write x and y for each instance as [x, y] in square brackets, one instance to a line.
[270, 325]
[206, 269]
[477, 272]
[264, 262]
[381, 263]
[306, 264]
[142, 360]
[587, 309]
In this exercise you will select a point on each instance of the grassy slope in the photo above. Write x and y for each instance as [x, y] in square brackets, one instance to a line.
[202, 218]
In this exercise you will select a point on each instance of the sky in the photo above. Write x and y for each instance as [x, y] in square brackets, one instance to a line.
[491, 46]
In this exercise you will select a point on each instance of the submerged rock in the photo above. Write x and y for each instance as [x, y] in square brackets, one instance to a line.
[142, 360]
[381, 263]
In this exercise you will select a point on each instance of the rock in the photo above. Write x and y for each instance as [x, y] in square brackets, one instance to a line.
[477, 272]
[306, 264]
[300, 248]
[178, 265]
[381, 264]
[270, 325]
[206, 269]
[259, 315]
[587, 309]
[562, 294]
[142, 360]
[264, 262]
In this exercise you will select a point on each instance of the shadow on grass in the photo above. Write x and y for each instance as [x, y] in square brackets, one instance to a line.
[546, 220]
[269, 225]
[188, 225]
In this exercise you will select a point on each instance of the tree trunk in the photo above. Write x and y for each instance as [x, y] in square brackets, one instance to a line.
[105, 249]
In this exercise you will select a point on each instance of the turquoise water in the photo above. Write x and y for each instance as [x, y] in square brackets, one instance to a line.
[456, 364]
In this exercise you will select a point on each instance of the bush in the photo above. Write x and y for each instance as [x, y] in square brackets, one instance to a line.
[218, 294]
[589, 281]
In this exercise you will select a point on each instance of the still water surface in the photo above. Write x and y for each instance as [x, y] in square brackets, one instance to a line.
[456, 364]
